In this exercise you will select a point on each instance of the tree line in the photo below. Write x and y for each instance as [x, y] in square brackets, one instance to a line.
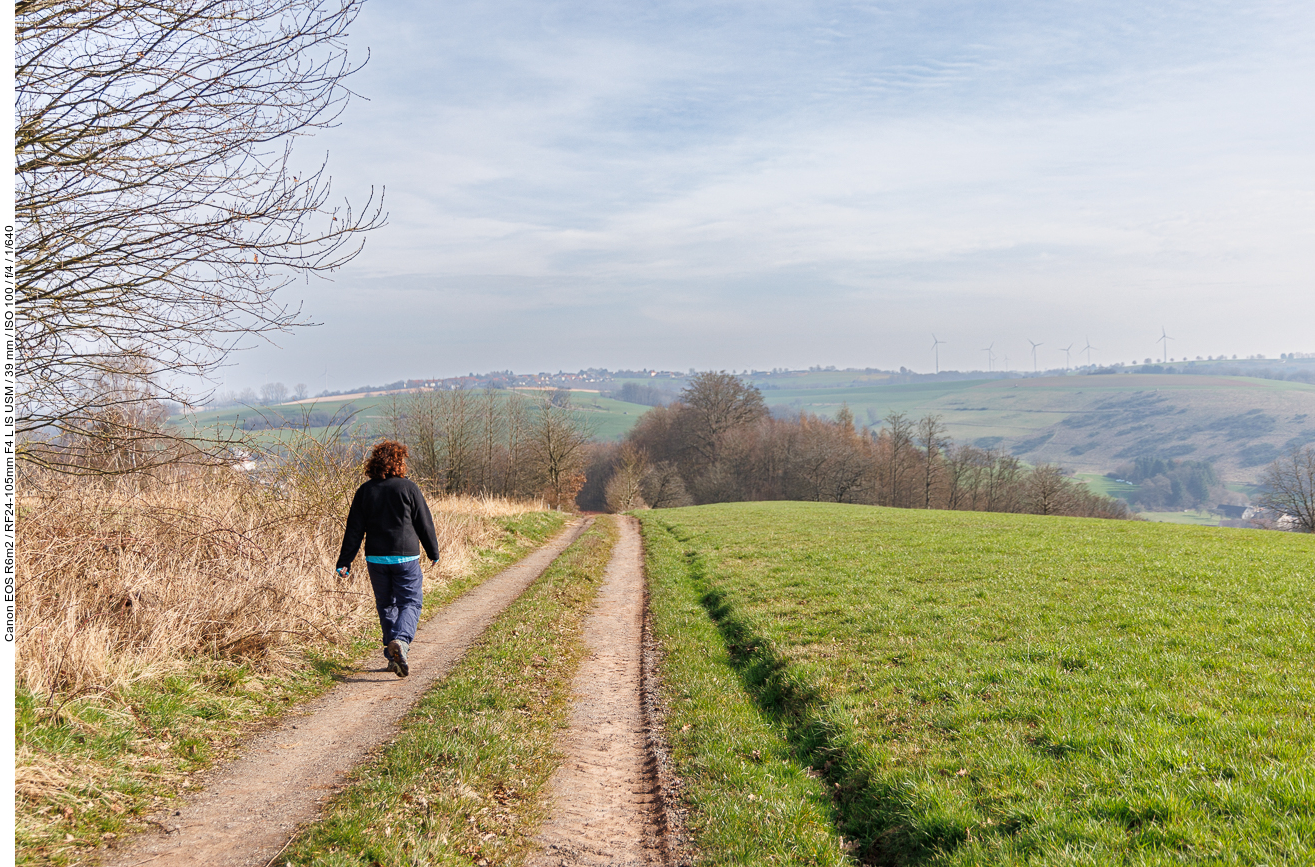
[718, 443]
[493, 441]
[1170, 484]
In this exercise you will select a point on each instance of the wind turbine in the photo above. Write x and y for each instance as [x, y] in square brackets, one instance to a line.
[990, 356]
[1087, 349]
[935, 346]
[1066, 349]
[1034, 346]
[1164, 338]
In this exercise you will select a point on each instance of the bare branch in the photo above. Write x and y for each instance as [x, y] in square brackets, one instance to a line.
[159, 212]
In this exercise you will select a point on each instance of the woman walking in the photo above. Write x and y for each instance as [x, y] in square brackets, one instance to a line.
[390, 513]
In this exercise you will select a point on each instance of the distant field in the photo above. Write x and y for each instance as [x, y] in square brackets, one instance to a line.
[1093, 424]
[1195, 517]
[1103, 484]
[946, 688]
[610, 419]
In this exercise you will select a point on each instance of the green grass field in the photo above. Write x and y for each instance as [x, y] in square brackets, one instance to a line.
[946, 688]
[1102, 484]
[1194, 517]
[608, 419]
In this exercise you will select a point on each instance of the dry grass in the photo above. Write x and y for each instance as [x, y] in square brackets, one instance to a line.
[159, 617]
[122, 580]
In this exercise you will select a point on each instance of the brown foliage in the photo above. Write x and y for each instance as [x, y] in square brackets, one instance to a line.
[728, 449]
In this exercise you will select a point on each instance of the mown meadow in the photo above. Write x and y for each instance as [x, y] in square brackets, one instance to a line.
[857, 684]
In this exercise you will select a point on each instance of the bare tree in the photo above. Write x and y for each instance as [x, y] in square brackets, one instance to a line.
[555, 448]
[272, 393]
[932, 441]
[1002, 475]
[719, 403]
[1289, 487]
[1046, 491]
[624, 489]
[964, 467]
[158, 207]
[663, 488]
[492, 427]
[829, 461]
[897, 451]
[517, 419]
[300, 391]
[124, 434]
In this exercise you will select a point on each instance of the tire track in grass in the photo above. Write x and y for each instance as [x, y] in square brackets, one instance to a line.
[247, 811]
[865, 812]
[752, 797]
[606, 808]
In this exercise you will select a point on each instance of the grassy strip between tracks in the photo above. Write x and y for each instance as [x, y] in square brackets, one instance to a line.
[90, 771]
[464, 782]
[988, 689]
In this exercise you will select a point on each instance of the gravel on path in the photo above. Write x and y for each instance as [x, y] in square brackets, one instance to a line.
[606, 805]
[248, 810]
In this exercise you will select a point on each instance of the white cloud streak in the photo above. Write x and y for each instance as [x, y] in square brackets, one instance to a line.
[765, 184]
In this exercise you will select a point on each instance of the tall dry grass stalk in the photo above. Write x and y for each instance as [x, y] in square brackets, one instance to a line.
[123, 580]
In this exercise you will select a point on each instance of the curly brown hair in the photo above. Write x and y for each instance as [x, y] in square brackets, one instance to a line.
[386, 459]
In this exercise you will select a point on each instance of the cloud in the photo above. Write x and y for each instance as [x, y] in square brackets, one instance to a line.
[811, 182]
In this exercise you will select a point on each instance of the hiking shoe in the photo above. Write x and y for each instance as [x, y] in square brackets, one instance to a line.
[392, 666]
[396, 654]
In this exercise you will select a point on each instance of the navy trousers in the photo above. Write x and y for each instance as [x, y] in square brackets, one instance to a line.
[398, 595]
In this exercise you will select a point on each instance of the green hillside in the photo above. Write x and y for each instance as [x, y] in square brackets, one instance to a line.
[608, 419]
[1096, 423]
[851, 684]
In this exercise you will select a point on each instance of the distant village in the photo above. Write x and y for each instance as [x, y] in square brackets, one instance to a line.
[593, 378]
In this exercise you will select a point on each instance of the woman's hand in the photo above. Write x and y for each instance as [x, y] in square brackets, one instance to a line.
[344, 571]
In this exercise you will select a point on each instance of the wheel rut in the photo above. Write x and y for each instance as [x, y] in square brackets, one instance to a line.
[606, 802]
[248, 810]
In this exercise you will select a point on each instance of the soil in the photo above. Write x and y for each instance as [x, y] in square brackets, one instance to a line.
[607, 806]
[246, 812]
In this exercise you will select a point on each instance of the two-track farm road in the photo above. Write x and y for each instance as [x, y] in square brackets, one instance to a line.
[605, 800]
[249, 809]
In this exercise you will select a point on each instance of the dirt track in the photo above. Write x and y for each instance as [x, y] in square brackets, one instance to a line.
[605, 803]
[248, 810]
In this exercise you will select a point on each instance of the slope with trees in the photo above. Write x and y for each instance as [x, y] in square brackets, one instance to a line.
[719, 443]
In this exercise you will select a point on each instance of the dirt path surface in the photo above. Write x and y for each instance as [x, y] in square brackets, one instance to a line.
[605, 799]
[249, 809]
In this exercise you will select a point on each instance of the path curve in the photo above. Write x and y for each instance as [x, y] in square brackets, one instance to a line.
[250, 808]
[606, 807]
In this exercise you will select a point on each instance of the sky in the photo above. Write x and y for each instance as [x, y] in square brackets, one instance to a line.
[743, 185]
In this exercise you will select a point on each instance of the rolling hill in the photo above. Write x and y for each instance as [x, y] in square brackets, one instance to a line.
[1097, 423]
